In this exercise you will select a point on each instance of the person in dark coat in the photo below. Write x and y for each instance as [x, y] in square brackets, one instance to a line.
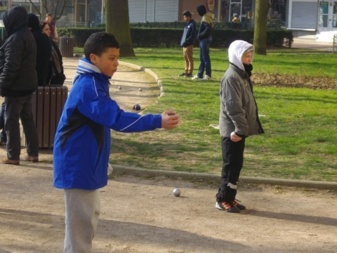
[44, 49]
[205, 38]
[55, 68]
[52, 24]
[187, 41]
[18, 81]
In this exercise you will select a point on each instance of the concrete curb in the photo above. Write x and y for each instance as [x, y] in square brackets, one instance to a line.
[210, 178]
[148, 71]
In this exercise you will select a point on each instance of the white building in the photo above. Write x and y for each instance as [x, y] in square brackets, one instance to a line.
[313, 18]
[316, 19]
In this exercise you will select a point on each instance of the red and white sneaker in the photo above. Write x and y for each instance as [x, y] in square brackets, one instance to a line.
[238, 205]
[228, 207]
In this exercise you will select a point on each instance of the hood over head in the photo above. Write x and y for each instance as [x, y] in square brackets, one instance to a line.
[14, 19]
[33, 22]
[208, 18]
[236, 50]
[201, 9]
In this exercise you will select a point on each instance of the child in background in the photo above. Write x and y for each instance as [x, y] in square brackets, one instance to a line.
[238, 119]
[82, 141]
[187, 41]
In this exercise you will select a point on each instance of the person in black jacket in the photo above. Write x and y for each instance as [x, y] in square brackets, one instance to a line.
[186, 42]
[18, 81]
[55, 67]
[3, 137]
[44, 49]
[205, 39]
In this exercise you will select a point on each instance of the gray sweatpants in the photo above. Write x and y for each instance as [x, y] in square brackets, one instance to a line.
[82, 209]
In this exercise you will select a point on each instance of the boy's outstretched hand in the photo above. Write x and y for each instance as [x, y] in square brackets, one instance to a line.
[169, 119]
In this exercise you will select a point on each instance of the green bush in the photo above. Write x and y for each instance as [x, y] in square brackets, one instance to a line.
[80, 34]
[170, 37]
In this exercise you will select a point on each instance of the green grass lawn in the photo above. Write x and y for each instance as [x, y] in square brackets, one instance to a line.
[300, 123]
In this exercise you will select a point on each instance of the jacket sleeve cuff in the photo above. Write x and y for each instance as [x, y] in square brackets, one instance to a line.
[157, 121]
[240, 135]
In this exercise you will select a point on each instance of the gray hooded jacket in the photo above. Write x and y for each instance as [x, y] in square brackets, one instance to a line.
[238, 109]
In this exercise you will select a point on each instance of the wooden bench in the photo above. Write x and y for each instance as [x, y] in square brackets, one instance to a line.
[47, 106]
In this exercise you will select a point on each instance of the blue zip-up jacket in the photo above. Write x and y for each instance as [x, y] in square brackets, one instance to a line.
[82, 140]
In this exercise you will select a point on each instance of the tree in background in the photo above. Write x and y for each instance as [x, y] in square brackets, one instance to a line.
[117, 23]
[54, 7]
[260, 27]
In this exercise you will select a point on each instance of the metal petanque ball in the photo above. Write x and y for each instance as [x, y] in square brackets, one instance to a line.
[137, 107]
[176, 192]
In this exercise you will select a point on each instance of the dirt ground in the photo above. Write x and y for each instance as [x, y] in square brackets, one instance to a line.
[129, 86]
[141, 215]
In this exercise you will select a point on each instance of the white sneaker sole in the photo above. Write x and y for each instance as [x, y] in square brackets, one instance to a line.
[218, 206]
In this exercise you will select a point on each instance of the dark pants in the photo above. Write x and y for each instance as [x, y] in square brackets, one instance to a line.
[20, 108]
[205, 60]
[3, 137]
[232, 156]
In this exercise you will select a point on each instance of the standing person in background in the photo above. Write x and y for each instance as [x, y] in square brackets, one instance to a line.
[43, 45]
[236, 19]
[53, 31]
[44, 49]
[238, 119]
[186, 42]
[205, 39]
[18, 81]
[55, 67]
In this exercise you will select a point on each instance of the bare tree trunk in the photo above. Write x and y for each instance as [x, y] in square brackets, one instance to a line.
[117, 23]
[260, 26]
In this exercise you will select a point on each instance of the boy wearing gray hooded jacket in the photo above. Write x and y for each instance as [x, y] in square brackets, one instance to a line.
[238, 119]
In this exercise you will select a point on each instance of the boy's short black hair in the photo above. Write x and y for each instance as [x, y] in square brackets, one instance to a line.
[99, 42]
[187, 14]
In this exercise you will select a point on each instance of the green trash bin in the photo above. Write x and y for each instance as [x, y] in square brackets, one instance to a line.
[67, 46]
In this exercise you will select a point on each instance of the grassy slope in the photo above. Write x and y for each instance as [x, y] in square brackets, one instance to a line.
[300, 123]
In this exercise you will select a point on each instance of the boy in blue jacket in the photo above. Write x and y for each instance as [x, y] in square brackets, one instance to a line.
[82, 140]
